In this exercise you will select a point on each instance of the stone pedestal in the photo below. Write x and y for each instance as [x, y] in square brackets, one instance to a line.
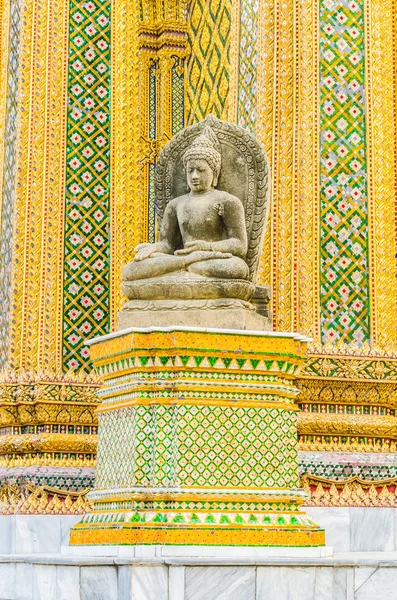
[223, 313]
[197, 440]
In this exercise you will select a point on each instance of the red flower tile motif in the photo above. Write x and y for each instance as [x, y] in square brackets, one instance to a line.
[344, 225]
[86, 275]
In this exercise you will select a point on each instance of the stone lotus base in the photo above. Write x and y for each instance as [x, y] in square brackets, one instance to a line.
[197, 440]
[223, 313]
[186, 286]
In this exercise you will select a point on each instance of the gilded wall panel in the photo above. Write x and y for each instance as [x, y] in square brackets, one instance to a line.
[128, 204]
[35, 336]
[282, 215]
[382, 167]
[11, 19]
[208, 65]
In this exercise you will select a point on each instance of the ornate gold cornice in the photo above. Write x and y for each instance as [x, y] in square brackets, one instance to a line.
[163, 37]
[36, 443]
[31, 499]
[355, 367]
[351, 492]
[352, 425]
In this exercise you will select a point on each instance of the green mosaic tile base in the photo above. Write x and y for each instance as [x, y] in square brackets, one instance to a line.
[197, 445]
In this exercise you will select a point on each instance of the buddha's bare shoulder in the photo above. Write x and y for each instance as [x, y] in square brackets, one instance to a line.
[175, 202]
[227, 198]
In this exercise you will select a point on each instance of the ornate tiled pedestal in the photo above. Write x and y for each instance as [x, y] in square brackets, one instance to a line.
[197, 440]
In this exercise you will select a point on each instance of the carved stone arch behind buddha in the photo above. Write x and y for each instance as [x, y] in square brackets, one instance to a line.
[244, 173]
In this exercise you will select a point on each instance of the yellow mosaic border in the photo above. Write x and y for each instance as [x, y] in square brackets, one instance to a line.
[209, 537]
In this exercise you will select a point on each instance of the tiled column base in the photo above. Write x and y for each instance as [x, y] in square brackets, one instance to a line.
[197, 440]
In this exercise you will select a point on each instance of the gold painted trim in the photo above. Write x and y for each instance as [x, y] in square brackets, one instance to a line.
[209, 537]
[235, 497]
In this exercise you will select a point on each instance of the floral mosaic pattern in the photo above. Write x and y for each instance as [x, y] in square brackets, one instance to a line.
[344, 227]
[160, 445]
[86, 273]
[248, 59]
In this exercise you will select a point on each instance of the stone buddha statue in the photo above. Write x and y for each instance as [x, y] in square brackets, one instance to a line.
[202, 232]
[212, 200]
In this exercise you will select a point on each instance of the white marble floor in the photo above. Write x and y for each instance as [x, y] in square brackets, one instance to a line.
[345, 576]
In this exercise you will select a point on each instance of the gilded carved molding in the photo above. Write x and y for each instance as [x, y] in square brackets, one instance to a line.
[355, 367]
[47, 442]
[351, 425]
[30, 499]
[352, 492]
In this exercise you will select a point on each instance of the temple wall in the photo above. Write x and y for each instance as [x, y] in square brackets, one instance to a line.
[90, 93]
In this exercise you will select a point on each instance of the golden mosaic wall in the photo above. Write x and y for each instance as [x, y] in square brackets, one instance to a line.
[173, 63]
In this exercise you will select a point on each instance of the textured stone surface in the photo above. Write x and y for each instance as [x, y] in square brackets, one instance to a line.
[336, 522]
[350, 576]
[98, 583]
[225, 315]
[372, 529]
[149, 583]
[274, 583]
[219, 583]
[37, 533]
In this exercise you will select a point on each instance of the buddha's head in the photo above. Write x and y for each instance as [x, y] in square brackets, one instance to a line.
[202, 162]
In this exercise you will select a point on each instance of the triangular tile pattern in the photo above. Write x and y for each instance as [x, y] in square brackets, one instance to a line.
[86, 260]
[344, 213]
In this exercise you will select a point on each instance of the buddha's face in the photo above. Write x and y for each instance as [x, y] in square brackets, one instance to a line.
[199, 174]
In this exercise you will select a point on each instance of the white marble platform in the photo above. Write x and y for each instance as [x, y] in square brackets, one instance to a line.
[157, 551]
[347, 530]
[347, 576]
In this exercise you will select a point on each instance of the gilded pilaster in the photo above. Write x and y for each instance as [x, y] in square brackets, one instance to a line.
[305, 287]
[127, 193]
[282, 165]
[4, 56]
[35, 338]
[382, 167]
[265, 100]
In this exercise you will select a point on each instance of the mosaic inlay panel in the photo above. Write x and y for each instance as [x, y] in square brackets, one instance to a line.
[209, 61]
[197, 445]
[344, 224]
[86, 270]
